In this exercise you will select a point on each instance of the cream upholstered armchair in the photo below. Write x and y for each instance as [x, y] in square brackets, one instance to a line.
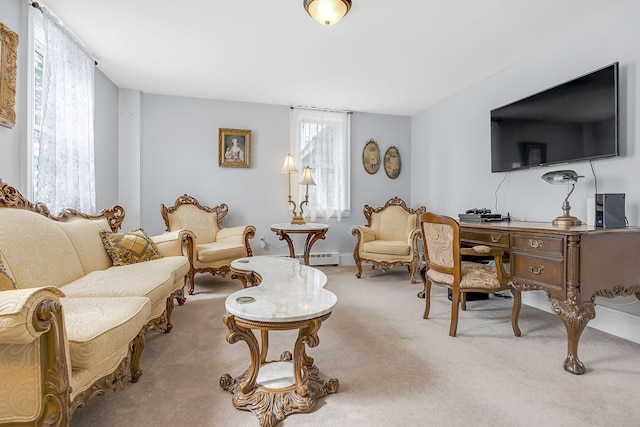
[390, 237]
[444, 267]
[215, 246]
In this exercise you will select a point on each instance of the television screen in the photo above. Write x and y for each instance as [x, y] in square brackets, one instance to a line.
[574, 121]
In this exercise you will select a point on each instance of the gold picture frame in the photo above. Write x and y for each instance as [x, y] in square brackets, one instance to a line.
[371, 157]
[234, 148]
[8, 60]
[392, 162]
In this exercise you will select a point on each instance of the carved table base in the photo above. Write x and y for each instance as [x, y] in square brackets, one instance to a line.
[274, 389]
[273, 405]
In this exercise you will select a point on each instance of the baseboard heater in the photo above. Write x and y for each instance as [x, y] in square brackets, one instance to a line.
[322, 258]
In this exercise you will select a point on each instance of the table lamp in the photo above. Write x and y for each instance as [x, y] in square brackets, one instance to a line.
[564, 177]
[306, 179]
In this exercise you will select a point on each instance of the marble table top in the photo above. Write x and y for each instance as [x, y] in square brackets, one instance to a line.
[289, 291]
[311, 226]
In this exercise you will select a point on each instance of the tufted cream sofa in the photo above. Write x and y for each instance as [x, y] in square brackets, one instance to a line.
[72, 325]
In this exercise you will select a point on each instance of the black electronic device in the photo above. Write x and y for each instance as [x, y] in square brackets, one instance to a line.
[574, 121]
[479, 215]
[610, 210]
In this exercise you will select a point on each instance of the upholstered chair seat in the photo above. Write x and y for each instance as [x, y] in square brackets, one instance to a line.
[215, 246]
[444, 267]
[390, 237]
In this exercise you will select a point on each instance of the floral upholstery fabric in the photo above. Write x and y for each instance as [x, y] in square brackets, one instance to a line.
[203, 224]
[97, 326]
[474, 276]
[137, 279]
[389, 247]
[439, 239]
[85, 237]
[129, 247]
[393, 223]
[38, 252]
[217, 251]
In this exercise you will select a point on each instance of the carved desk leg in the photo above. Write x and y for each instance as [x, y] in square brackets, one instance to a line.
[575, 317]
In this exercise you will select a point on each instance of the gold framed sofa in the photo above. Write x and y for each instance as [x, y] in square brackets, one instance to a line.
[72, 317]
[215, 246]
[390, 237]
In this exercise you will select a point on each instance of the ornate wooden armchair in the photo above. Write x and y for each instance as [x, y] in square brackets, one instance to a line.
[390, 237]
[215, 247]
[444, 267]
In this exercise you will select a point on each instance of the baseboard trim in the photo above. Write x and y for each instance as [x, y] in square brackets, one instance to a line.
[614, 322]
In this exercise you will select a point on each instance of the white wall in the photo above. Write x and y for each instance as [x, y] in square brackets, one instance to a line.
[451, 162]
[179, 154]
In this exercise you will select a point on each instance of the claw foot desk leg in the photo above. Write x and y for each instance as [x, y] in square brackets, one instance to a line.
[575, 317]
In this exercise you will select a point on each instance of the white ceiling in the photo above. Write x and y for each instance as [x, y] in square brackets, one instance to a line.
[390, 57]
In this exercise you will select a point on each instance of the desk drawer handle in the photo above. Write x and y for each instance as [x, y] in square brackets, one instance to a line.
[536, 269]
[535, 243]
[495, 238]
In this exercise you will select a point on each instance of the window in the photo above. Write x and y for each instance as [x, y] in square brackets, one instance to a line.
[62, 96]
[322, 141]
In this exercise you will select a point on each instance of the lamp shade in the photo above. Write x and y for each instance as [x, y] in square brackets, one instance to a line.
[327, 12]
[561, 177]
[289, 165]
[307, 177]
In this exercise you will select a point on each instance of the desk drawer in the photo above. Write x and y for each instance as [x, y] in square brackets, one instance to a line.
[538, 244]
[490, 238]
[539, 269]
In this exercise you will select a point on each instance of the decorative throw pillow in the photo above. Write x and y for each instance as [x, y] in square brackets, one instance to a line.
[6, 278]
[130, 247]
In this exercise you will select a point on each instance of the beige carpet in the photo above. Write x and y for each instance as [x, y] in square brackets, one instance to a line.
[395, 369]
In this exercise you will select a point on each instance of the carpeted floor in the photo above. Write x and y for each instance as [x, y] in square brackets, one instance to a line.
[394, 368]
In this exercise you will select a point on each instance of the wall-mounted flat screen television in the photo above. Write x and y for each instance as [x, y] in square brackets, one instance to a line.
[574, 121]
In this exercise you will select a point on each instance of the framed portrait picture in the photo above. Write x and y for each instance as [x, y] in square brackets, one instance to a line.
[392, 162]
[371, 157]
[234, 149]
[8, 57]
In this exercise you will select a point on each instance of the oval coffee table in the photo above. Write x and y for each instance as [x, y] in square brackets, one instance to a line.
[290, 296]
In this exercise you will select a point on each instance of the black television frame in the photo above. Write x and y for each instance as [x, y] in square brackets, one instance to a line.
[536, 149]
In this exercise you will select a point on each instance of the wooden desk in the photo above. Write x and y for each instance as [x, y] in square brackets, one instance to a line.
[572, 265]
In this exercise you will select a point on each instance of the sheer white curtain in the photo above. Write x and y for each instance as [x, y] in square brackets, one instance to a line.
[322, 141]
[64, 169]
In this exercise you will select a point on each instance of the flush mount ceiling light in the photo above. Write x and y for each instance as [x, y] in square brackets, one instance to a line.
[327, 12]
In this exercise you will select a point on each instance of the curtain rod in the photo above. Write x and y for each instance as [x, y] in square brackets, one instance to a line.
[45, 11]
[333, 110]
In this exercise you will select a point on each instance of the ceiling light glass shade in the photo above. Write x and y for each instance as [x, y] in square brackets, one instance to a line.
[289, 165]
[307, 177]
[327, 12]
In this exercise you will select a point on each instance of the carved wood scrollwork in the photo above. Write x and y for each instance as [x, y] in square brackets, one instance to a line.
[10, 197]
[56, 389]
[619, 291]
